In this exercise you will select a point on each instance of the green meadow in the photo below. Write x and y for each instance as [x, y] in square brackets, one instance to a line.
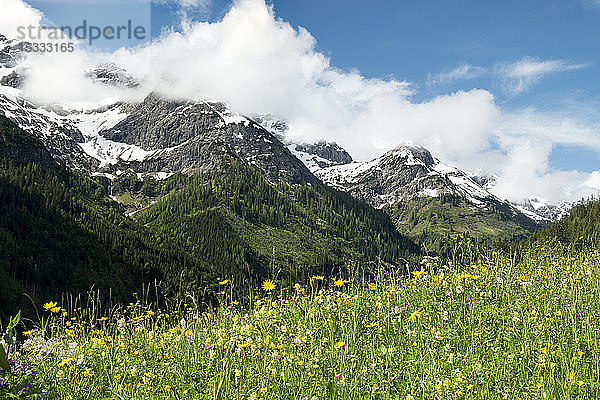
[481, 327]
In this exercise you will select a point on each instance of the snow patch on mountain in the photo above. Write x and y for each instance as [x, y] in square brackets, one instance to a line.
[402, 173]
[110, 74]
[543, 210]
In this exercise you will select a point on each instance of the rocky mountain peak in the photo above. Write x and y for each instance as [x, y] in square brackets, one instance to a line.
[410, 154]
[110, 74]
[543, 210]
[484, 179]
[15, 79]
[12, 53]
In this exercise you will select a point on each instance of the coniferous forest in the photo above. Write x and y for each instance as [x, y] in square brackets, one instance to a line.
[61, 231]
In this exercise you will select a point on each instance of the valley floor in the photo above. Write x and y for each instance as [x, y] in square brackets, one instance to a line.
[491, 328]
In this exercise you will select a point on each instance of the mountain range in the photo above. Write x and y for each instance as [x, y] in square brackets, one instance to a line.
[192, 192]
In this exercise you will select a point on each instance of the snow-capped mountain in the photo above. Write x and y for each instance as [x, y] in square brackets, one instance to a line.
[543, 210]
[403, 173]
[484, 179]
[537, 208]
[160, 137]
[11, 53]
[155, 136]
[315, 156]
[111, 74]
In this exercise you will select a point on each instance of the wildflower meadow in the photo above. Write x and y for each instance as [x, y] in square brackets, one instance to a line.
[485, 327]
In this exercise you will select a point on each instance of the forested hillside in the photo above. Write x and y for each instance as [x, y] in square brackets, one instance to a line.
[60, 231]
[435, 221]
[582, 223]
[241, 223]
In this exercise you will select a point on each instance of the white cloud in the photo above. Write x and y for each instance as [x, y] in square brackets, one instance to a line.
[16, 13]
[521, 158]
[261, 64]
[520, 76]
[462, 72]
[593, 181]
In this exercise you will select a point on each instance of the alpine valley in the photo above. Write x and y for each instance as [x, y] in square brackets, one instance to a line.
[187, 193]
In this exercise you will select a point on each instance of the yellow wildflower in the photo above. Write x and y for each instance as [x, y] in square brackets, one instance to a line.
[417, 314]
[419, 273]
[268, 285]
[340, 282]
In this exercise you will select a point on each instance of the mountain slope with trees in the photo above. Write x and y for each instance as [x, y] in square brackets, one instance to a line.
[61, 231]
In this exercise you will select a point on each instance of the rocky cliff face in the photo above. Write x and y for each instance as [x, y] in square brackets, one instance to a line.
[315, 156]
[326, 153]
[401, 174]
[110, 74]
[185, 135]
[15, 79]
[58, 134]
[544, 211]
[11, 52]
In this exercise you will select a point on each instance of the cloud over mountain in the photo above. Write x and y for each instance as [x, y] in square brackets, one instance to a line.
[260, 64]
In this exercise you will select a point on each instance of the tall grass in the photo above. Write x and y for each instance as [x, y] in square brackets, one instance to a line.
[480, 327]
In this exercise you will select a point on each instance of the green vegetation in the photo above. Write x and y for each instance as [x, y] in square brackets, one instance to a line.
[243, 224]
[60, 232]
[485, 327]
[581, 225]
[434, 221]
[474, 324]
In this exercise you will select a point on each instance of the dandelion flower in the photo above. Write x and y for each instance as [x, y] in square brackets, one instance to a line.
[419, 273]
[340, 282]
[339, 345]
[268, 285]
[50, 305]
[417, 314]
[225, 282]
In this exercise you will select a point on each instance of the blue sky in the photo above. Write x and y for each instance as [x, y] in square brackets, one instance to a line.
[418, 41]
[525, 72]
